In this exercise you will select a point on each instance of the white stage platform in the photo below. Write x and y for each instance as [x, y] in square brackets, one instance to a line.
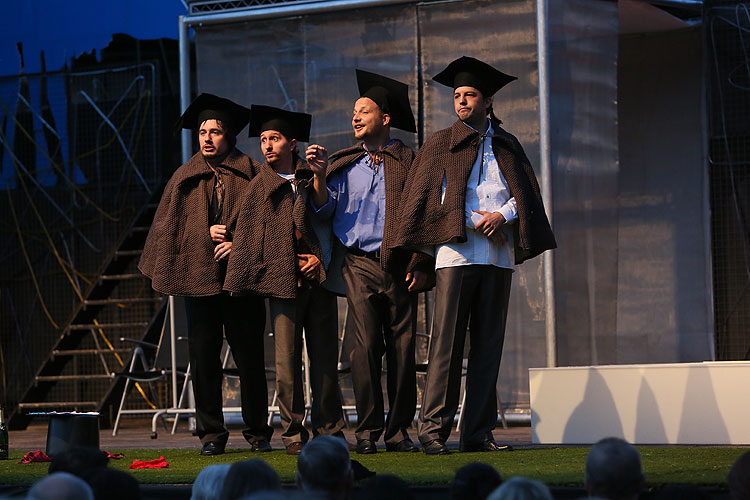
[680, 403]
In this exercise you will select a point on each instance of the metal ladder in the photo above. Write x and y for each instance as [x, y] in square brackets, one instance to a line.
[79, 373]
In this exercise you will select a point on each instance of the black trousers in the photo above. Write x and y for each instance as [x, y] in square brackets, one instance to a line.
[242, 321]
[316, 311]
[474, 296]
[384, 315]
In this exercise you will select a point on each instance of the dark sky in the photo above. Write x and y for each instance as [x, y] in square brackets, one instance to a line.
[67, 28]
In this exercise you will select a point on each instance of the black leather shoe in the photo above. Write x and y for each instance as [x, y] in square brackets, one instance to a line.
[405, 446]
[366, 447]
[260, 445]
[487, 445]
[435, 447]
[211, 448]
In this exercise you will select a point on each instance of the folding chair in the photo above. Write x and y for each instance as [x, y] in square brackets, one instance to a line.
[149, 363]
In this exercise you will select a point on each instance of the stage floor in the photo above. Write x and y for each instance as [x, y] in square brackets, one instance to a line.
[136, 433]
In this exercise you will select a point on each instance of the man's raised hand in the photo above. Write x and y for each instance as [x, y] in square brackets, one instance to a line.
[317, 158]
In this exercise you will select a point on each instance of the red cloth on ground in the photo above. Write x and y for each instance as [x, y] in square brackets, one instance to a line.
[159, 463]
[116, 456]
[34, 456]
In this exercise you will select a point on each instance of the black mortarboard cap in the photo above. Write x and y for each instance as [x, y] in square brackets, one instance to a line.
[209, 106]
[390, 95]
[292, 125]
[467, 71]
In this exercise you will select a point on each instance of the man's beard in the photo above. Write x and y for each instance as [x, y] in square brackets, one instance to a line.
[215, 155]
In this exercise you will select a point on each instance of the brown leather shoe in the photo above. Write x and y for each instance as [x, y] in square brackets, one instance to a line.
[294, 448]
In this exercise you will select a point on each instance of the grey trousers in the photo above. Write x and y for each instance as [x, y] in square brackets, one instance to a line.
[384, 316]
[474, 296]
[314, 310]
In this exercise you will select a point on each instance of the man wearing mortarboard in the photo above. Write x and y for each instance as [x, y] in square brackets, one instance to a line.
[186, 254]
[473, 195]
[277, 254]
[359, 192]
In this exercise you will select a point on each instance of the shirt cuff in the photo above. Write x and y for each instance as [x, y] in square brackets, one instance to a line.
[509, 212]
[426, 249]
[324, 210]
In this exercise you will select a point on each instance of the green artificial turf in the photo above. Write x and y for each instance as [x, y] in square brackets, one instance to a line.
[554, 466]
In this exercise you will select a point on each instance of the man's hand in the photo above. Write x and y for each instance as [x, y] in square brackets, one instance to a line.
[491, 226]
[309, 265]
[222, 250]
[218, 233]
[417, 280]
[317, 158]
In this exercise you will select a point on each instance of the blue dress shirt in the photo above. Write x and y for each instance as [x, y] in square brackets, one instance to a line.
[356, 204]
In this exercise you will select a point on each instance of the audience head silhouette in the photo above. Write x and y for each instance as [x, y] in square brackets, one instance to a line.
[324, 467]
[613, 470]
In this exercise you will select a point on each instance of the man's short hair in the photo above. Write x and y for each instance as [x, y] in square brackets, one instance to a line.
[247, 477]
[227, 131]
[60, 486]
[613, 469]
[210, 480]
[324, 465]
[520, 488]
[475, 481]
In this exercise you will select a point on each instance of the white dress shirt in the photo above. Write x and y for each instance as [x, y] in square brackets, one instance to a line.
[290, 178]
[486, 190]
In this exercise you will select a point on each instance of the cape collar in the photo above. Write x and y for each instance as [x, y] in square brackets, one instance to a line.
[461, 134]
[272, 181]
[345, 157]
[236, 161]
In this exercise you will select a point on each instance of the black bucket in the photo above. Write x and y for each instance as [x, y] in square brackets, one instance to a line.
[72, 429]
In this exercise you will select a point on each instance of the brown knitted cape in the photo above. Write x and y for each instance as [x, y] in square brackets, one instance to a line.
[179, 255]
[450, 154]
[264, 252]
[397, 160]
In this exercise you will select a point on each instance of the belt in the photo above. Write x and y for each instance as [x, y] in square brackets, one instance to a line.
[361, 253]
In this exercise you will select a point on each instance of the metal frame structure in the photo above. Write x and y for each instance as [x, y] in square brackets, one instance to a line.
[214, 12]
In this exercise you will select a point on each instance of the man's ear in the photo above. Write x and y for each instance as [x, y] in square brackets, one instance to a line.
[487, 102]
[292, 144]
[386, 119]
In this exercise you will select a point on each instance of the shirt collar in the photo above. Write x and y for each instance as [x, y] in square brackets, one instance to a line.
[489, 132]
[386, 146]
